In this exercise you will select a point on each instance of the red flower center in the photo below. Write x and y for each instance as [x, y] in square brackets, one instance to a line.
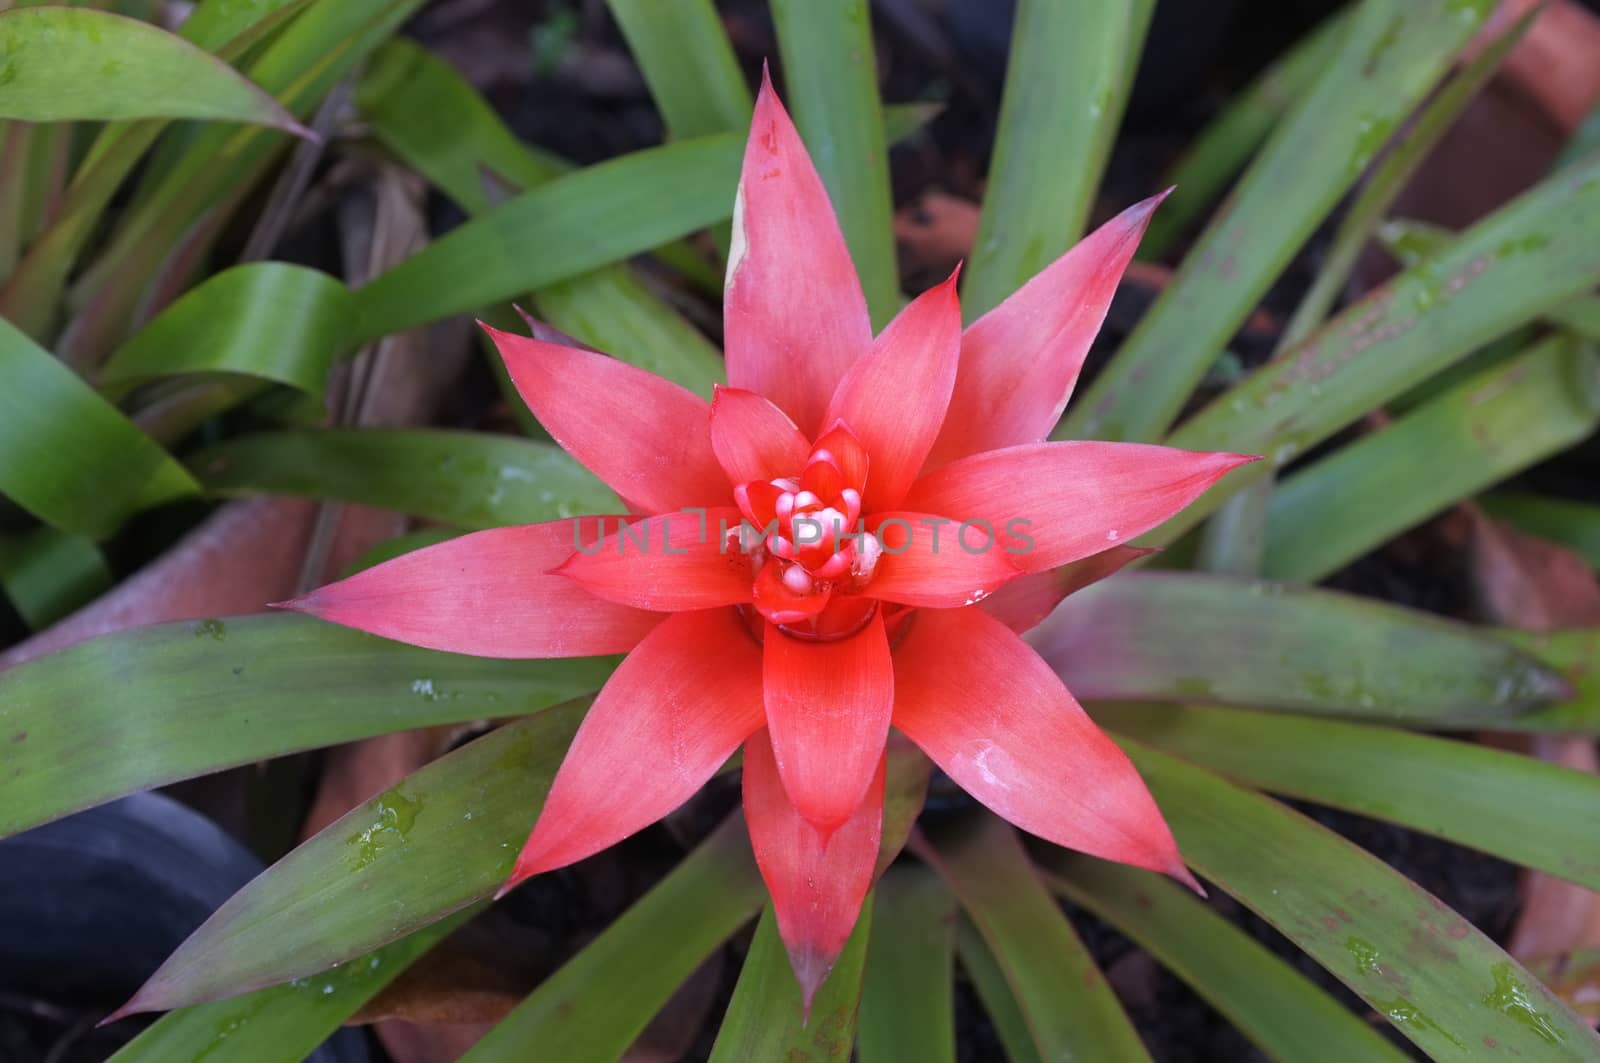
[810, 553]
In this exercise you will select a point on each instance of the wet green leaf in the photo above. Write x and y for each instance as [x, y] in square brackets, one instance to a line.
[444, 838]
[907, 1002]
[467, 479]
[60, 64]
[66, 455]
[1533, 254]
[1440, 981]
[1069, 1009]
[1480, 431]
[143, 708]
[831, 86]
[1283, 1012]
[1515, 807]
[269, 320]
[1575, 525]
[597, 1004]
[1068, 63]
[1393, 173]
[1389, 57]
[283, 1022]
[1169, 636]
[580, 222]
[689, 64]
[1224, 146]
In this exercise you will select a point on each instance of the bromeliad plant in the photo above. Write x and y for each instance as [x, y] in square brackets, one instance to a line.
[788, 590]
[844, 544]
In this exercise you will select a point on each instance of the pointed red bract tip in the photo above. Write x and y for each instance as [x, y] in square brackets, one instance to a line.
[811, 969]
[132, 1007]
[1183, 875]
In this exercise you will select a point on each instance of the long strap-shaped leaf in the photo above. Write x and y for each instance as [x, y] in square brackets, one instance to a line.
[1576, 655]
[74, 731]
[1069, 1008]
[66, 64]
[270, 320]
[281, 1023]
[1388, 58]
[1067, 62]
[441, 840]
[467, 479]
[1168, 636]
[1444, 984]
[68, 456]
[587, 219]
[831, 76]
[689, 63]
[1479, 432]
[1535, 253]
[1281, 1010]
[907, 1006]
[1518, 808]
[994, 993]
[1221, 149]
[594, 1007]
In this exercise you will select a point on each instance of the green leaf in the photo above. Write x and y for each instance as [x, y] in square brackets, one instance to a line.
[1391, 175]
[907, 1007]
[1283, 1012]
[1221, 149]
[282, 1022]
[209, 175]
[1576, 655]
[1532, 254]
[66, 455]
[994, 993]
[144, 708]
[442, 839]
[1440, 981]
[1066, 66]
[47, 574]
[1515, 807]
[1070, 1010]
[1177, 636]
[1575, 525]
[468, 479]
[599, 1002]
[765, 1020]
[831, 77]
[591, 218]
[60, 64]
[1390, 56]
[610, 309]
[689, 64]
[420, 108]
[269, 320]
[1479, 432]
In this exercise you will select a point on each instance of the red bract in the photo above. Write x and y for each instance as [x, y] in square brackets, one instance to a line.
[799, 569]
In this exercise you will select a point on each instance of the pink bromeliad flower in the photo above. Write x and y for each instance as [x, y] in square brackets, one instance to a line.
[805, 557]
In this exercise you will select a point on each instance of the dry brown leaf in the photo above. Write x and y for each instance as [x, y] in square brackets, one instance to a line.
[935, 231]
[449, 986]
